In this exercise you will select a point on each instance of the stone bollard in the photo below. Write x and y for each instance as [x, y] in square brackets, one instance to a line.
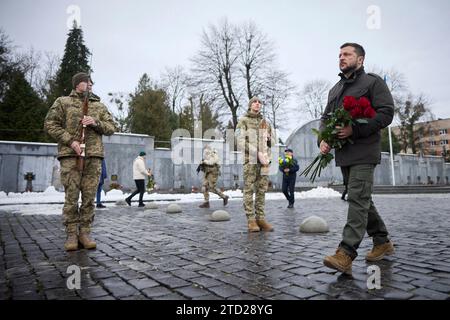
[219, 215]
[314, 224]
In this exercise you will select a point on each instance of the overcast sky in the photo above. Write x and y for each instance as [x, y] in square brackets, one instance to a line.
[128, 38]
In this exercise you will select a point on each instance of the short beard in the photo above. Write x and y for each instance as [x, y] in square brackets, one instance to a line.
[349, 69]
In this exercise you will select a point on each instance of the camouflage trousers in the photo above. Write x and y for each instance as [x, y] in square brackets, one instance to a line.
[209, 185]
[254, 182]
[76, 182]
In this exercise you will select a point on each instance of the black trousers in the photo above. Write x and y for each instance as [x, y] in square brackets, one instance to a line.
[140, 185]
[288, 188]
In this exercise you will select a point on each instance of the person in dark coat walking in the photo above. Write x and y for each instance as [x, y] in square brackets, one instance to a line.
[359, 159]
[289, 167]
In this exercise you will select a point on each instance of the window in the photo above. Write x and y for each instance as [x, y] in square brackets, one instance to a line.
[443, 142]
[443, 131]
[433, 143]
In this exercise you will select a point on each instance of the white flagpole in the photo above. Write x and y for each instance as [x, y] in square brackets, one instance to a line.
[392, 156]
[390, 150]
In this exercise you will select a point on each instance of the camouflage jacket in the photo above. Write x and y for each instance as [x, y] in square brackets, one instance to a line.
[63, 124]
[211, 161]
[248, 135]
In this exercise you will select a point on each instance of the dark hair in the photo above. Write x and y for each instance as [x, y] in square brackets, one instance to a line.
[358, 48]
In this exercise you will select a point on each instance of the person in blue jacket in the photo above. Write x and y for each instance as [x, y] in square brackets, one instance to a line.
[103, 176]
[289, 167]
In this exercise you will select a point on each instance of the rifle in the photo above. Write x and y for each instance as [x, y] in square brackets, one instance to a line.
[82, 156]
[201, 167]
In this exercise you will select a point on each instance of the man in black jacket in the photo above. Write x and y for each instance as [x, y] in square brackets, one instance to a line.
[358, 160]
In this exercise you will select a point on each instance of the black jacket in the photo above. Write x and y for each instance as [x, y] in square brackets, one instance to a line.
[366, 137]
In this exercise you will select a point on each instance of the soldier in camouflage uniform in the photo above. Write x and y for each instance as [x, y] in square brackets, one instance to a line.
[211, 168]
[255, 140]
[63, 122]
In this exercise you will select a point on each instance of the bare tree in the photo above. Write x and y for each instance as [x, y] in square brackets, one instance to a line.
[174, 81]
[39, 69]
[216, 67]
[312, 98]
[120, 112]
[410, 113]
[396, 82]
[233, 65]
[256, 57]
[277, 91]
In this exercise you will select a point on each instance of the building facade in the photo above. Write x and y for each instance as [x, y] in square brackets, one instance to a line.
[433, 138]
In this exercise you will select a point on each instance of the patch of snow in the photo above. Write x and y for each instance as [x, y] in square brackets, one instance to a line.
[51, 190]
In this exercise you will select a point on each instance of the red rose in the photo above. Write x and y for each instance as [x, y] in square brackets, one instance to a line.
[350, 102]
[356, 112]
[364, 103]
[369, 113]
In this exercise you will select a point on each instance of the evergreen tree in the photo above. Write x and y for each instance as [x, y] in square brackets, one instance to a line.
[75, 59]
[7, 66]
[385, 142]
[209, 119]
[187, 119]
[149, 112]
[22, 112]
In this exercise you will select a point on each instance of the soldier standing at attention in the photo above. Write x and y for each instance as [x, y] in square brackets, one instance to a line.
[254, 138]
[63, 122]
[211, 168]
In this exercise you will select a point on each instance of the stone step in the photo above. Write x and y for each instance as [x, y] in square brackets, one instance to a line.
[411, 189]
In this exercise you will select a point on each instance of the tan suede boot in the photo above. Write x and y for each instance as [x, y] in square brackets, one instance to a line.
[379, 251]
[264, 225]
[86, 241]
[71, 242]
[253, 226]
[204, 205]
[340, 261]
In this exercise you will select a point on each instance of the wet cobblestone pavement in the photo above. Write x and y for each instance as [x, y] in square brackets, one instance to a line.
[148, 254]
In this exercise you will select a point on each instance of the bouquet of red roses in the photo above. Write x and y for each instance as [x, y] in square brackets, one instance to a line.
[352, 110]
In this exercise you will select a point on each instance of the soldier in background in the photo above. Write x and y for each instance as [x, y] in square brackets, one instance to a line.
[62, 123]
[211, 167]
[254, 138]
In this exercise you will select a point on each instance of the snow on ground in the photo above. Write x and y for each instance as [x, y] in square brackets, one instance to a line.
[51, 201]
[41, 209]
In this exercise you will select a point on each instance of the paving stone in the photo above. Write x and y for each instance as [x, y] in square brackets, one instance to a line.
[206, 282]
[192, 292]
[225, 291]
[118, 288]
[299, 292]
[398, 295]
[92, 292]
[155, 292]
[143, 283]
[173, 282]
[430, 294]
